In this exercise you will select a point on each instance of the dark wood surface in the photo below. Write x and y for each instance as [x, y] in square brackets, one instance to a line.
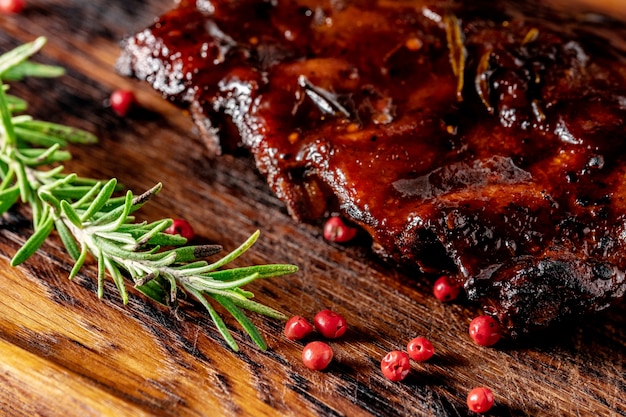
[64, 352]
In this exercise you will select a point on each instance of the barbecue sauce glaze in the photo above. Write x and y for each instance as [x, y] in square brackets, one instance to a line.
[464, 138]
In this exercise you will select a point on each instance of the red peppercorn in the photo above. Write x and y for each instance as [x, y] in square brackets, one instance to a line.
[480, 400]
[12, 6]
[446, 289]
[336, 230]
[317, 355]
[297, 328]
[330, 324]
[181, 227]
[395, 365]
[420, 349]
[122, 101]
[485, 330]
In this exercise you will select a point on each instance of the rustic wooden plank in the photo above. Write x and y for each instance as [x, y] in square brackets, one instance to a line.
[35, 387]
[74, 354]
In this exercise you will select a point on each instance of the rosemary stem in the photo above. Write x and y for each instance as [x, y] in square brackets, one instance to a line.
[89, 219]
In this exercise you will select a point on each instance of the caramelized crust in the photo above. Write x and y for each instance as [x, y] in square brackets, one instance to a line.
[464, 138]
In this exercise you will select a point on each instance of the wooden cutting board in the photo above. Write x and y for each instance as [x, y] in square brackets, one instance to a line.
[64, 352]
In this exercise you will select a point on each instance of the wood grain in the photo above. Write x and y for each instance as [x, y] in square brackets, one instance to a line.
[65, 352]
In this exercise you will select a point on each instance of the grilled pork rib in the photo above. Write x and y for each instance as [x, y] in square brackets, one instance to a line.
[469, 139]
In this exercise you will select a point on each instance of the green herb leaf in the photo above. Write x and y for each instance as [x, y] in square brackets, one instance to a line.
[219, 323]
[15, 105]
[256, 307]
[262, 271]
[67, 239]
[237, 252]
[70, 214]
[153, 290]
[33, 243]
[193, 253]
[31, 69]
[101, 199]
[57, 132]
[243, 320]
[79, 262]
[12, 59]
[8, 198]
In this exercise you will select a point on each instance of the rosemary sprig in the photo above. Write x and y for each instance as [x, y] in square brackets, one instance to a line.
[91, 221]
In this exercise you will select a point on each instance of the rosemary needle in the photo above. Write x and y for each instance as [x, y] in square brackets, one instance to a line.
[90, 220]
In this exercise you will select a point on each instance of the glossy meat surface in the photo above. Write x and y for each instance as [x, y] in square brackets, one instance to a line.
[469, 139]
